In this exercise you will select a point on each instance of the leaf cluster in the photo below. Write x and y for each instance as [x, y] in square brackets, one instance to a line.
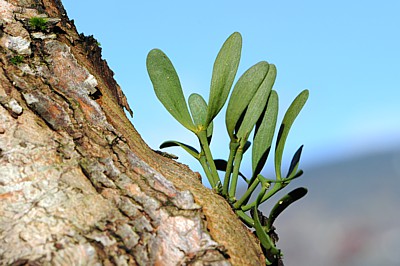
[251, 111]
[16, 60]
[38, 23]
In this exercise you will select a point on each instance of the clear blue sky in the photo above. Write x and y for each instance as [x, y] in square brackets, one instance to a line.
[347, 53]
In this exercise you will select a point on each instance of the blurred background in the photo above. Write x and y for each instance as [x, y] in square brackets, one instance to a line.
[345, 52]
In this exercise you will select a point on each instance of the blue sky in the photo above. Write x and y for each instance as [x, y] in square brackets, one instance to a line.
[345, 52]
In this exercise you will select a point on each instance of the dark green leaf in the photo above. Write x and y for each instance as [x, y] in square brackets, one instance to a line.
[246, 146]
[167, 87]
[284, 202]
[294, 164]
[242, 93]
[264, 134]
[198, 108]
[288, 119]
[257, 104]
[171, 143]
[224, 72]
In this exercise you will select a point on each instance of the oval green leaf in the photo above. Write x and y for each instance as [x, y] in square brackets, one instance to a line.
[167, 87]
[264, 134]
[171, 143]
[287, 122]
[257, 104]
[224, 72]
[198, 109]
[242, 93]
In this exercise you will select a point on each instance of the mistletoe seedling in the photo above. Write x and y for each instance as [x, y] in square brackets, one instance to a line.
[252, 109]
[38, 23]
[17, 60]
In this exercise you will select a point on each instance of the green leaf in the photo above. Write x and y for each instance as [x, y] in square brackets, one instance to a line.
[198, 108]
[257, 104]
[224, 72]
[264, 134]
[288, 119]
[167, 87]
[294, 164]
[171, 143]
[284, 202]
[242, 93]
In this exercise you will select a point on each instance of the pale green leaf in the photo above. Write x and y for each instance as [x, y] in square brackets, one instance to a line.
[198, 109]
[257, 104]
[224, 72]
[242, 93]
[167, 87]
[264, 134]
[287, 122]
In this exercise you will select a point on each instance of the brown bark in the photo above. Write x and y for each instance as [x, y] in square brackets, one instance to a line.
[78, 186]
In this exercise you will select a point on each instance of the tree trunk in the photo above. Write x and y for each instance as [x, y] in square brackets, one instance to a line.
[78, 186]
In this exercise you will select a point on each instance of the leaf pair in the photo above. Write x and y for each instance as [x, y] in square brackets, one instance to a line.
[264, 133]
[168, 88]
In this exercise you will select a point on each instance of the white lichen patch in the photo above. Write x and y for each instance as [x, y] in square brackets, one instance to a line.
[42, 36]
[90, 84]
[26, 69]
[15, 107]
[17, 44]
[30, 99]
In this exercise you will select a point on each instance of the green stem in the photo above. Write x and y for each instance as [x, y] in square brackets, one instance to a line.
[270, 193]
[206, 169]
[233, 146]
[235, 173]
[202, 135]
[247, 220]
[247, 194]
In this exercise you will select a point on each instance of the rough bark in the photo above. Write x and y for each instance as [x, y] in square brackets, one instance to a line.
[78, 186]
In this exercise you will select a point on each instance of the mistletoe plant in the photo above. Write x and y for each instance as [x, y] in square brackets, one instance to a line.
[252, 107]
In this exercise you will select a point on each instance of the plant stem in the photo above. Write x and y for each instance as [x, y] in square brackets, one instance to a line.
[202, 135]
[245, 218]
[206, 169]
[235, 173]
[270, 193]
[232, 151]
[247, 194]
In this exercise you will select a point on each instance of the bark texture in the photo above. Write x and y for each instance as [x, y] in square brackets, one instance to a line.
[78, 186]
